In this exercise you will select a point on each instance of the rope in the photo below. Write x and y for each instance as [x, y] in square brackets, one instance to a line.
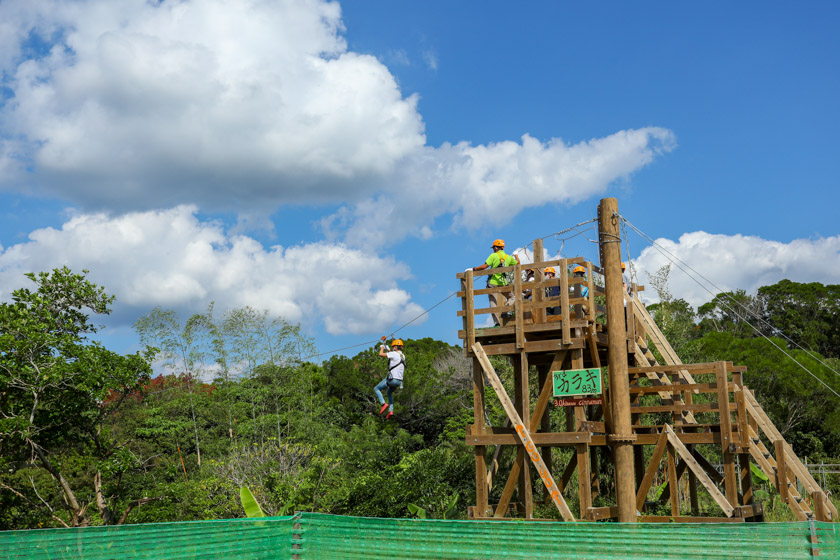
[425, 312]
[677, 261]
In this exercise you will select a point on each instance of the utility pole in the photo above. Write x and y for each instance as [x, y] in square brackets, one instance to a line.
[622, 437]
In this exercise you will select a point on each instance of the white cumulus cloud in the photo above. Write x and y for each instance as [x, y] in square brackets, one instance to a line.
[745, 262]
[243, 106]
[493, 183]
[141, 104]
[173, 260]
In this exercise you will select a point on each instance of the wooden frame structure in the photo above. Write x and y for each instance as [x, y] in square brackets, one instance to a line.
[679, 410]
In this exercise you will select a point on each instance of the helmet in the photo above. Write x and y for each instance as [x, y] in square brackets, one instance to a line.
[623, 266]
[499, 243]
[550, 269]
[397, 342]
[577, 269]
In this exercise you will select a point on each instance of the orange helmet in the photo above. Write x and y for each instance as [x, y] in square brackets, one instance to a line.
[397, 342]
[623, 266]
[550, 269]
[577, 269]
[499, 243]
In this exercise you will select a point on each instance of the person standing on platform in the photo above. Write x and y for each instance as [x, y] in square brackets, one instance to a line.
[498, 259]
[551, 291]
[394, 379]
[580, 272]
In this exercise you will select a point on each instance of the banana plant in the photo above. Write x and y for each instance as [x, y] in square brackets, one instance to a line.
[249, 504]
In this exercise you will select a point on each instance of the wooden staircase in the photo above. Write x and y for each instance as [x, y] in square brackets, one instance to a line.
[783, 468]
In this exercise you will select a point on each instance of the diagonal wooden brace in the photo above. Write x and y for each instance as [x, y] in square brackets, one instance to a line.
[522, 432]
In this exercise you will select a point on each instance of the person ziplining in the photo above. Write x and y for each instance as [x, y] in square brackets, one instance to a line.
[394, 379]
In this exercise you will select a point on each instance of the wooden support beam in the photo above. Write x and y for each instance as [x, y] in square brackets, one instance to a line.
[622, 437]
[523, 433]
[653, 466]
[480, 451]
[692, 487]
[683, 452]
[673, 482]
[469, 309]
[781, 471]
[584, 482]
[522, 395]
[564, 300]
[726, 439]
[538, 295]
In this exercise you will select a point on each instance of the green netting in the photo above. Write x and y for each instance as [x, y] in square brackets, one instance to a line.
[326, 537]
[230, 539]
[317, 536]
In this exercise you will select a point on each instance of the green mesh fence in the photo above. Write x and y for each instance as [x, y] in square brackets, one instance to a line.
[231, 539]
[316, 536]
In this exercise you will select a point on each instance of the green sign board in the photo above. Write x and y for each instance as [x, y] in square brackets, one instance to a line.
[577, 382]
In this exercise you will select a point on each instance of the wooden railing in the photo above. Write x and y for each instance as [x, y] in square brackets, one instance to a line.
[525, 307]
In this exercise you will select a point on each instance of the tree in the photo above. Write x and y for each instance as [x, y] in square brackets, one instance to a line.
[58, 391]
[807, 313]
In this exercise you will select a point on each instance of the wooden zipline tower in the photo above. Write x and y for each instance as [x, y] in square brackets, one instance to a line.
[680, 410]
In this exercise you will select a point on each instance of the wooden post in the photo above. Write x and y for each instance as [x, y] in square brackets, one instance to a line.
[673, 482]
[469, 310]
[584, 483]
[781, 470]
[538, 296]
[692, 487]
[564, 301]
[545, 424]
[522, 403]
[726, 443]
[609, 241]
[480, 451]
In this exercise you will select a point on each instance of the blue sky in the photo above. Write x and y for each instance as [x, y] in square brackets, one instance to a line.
[337, 164]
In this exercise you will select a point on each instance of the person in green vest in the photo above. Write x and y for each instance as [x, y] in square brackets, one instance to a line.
[497, 259]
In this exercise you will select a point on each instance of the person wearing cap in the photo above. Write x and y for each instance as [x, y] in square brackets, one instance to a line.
[580, 272]
[551, 291]
[394, 379]
[498, 259]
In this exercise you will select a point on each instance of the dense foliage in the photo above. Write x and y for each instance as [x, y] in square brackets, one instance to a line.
[91, 437]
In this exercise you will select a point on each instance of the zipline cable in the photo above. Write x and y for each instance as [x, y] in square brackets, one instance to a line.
[677, 261]
[729, 297]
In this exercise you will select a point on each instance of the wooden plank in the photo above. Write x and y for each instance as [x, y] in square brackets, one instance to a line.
[479, 451]
[538, 295]
[653, 466]
[675, 388]
[598, 513]
[686, 519]
[553, 439]
[694, 369]
[705, 407]
[524, 434]
[469, 309]
[564, 300]
[702, 477]
[650, 439]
